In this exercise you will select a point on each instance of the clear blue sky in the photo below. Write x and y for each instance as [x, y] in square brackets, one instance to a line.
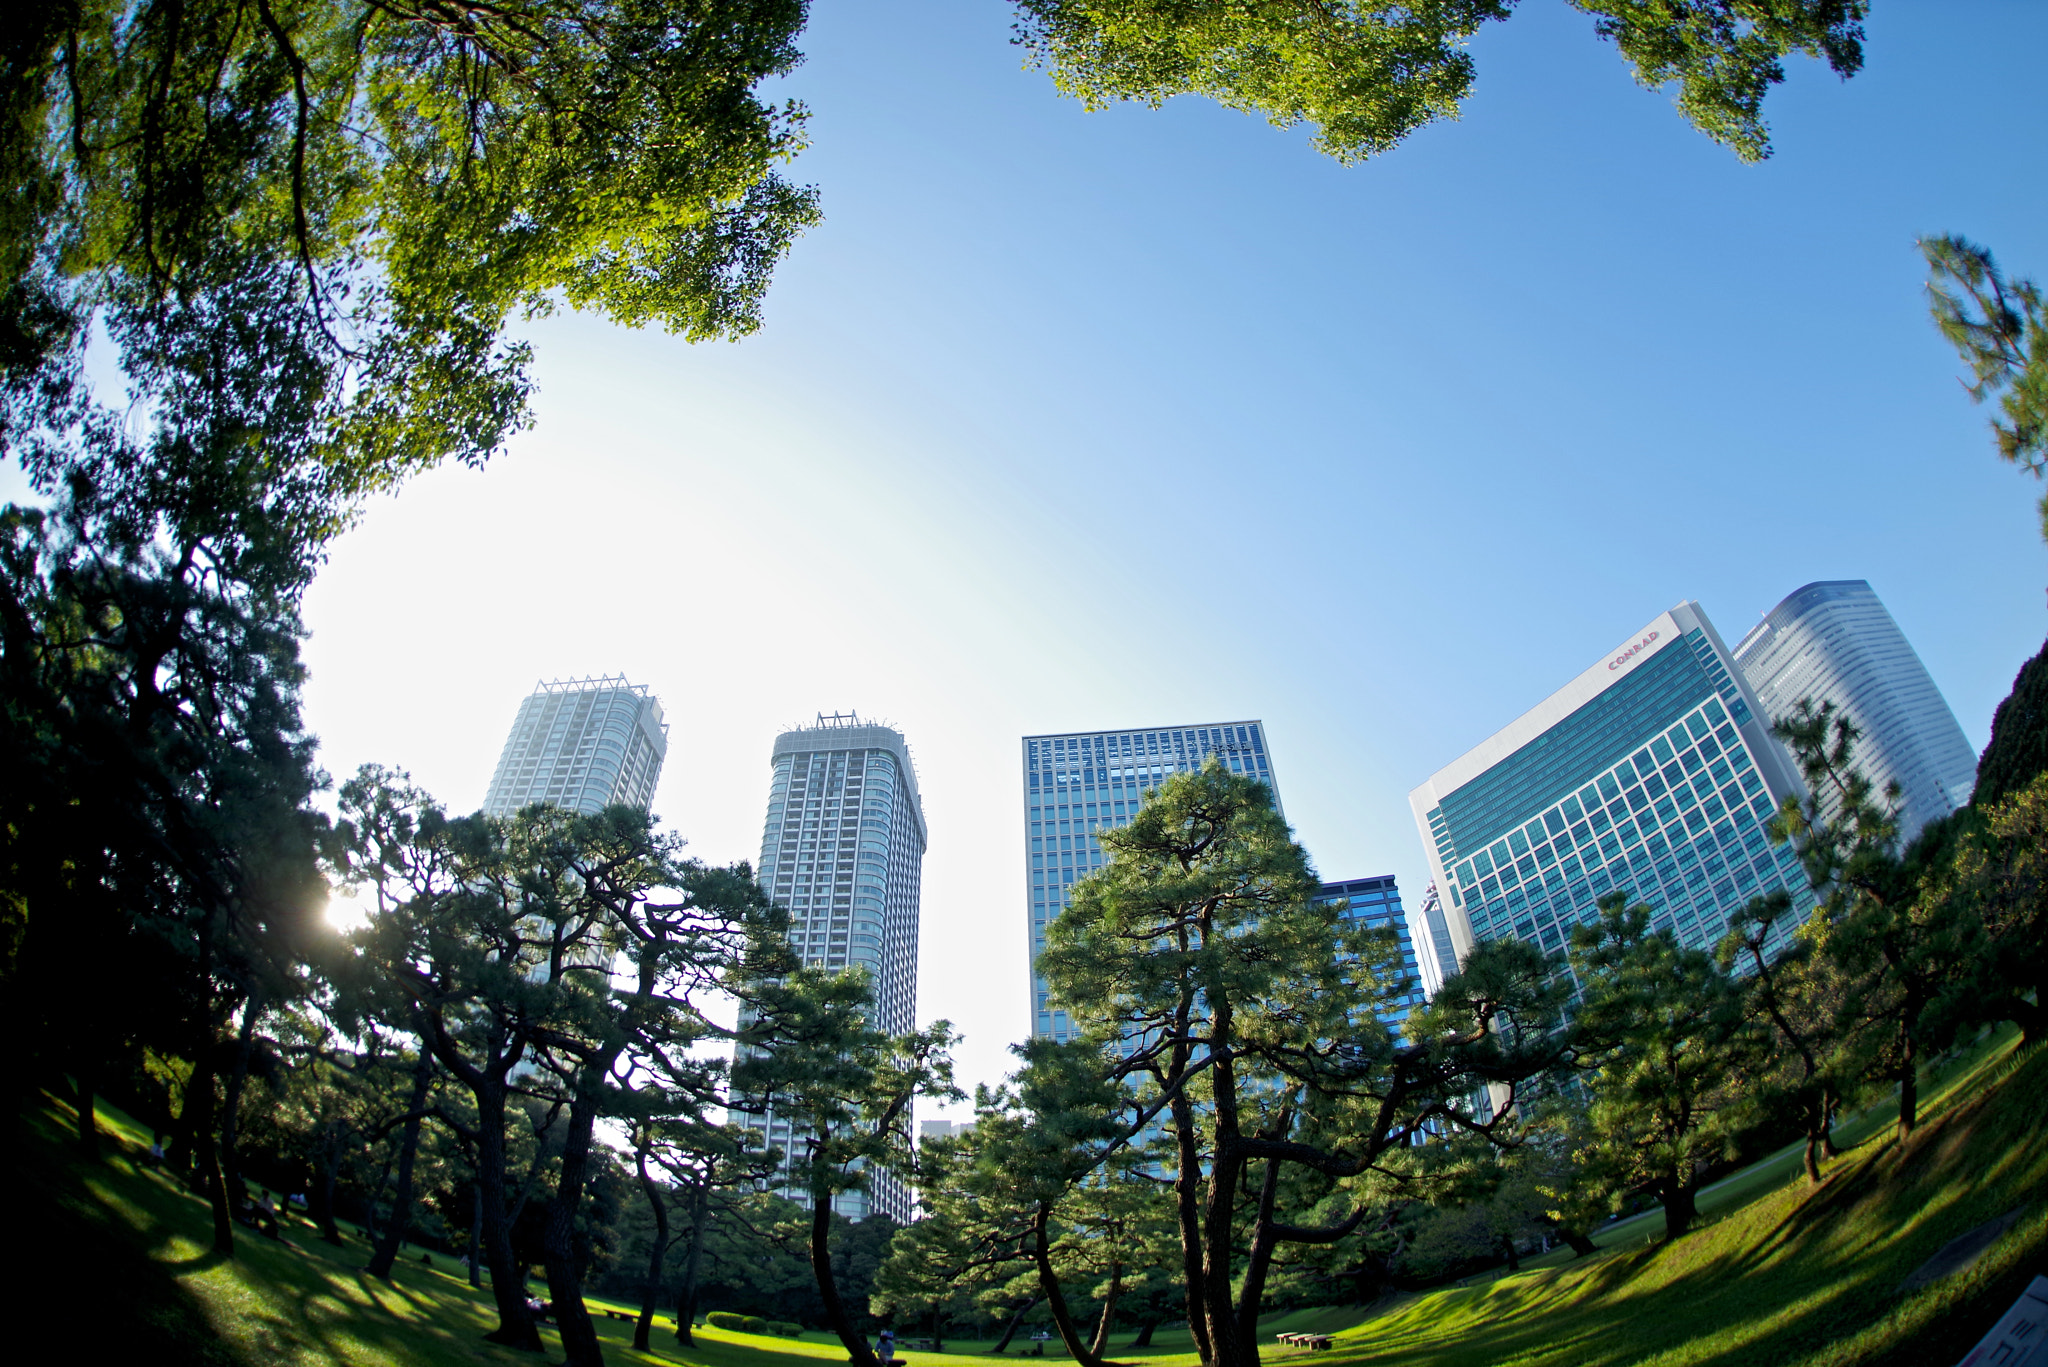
[1068, 420]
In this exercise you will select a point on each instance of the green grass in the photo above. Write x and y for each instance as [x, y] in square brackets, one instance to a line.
[1778, 1272]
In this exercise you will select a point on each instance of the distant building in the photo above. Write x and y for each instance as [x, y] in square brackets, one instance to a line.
[583, 744]
[1078, 783]
[1375, 903]
[843, 851]
[1435, 956]
[1834, 642]
[1651, 772]
[942, 1129]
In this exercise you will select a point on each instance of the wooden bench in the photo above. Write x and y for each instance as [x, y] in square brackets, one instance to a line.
[628, 1316]
[1317, 1342]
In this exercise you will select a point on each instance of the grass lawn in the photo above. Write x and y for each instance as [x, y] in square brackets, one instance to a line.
[1777, 1273]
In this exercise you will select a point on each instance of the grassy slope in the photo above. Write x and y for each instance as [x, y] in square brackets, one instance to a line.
[1781, 1274]
[1799, 1275]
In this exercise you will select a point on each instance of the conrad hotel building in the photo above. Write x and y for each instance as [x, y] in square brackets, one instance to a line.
[1651, 772]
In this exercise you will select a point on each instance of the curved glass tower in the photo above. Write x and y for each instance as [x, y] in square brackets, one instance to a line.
[583, 744]
[1834, 642]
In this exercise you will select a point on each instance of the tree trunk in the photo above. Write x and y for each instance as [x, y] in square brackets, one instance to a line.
[208, 1175]
[1680, 1209]
[1812, 1160]
[1581, 1246]
[657, 1254]
[231, 1107]
[476, 1234]
[371, 1229]
[1055, 1299]
[386, 1254]
[88, 1121]
[1144, 1338]
[686, 1300]
[1507, 1244]
[857, 1350]
[558, 1237]
[323, 1191]
[1230, 1345]
[1909, 1093]
[1016, 1322]
[508, 1289]
[1188, 1207]
[1116, 1286]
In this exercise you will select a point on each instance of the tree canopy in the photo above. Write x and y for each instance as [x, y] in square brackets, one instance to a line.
[1367, 73]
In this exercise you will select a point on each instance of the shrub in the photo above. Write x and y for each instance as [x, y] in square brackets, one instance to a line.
[784, 1329]
[726, 1319]
[755, 1325]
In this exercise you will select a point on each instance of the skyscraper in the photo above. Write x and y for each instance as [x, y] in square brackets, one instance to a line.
[1650, 772]
[1376, 904]
[1435, 956]
[1078, 783]
[1834, 642]
[843, 851]
[583, 744]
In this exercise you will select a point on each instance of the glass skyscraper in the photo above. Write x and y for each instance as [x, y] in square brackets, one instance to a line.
[1376, 904]
[1651, 772]
[1078, 783]
[1435, 956]
[583, 744]
[843, 851]
[1834, 642]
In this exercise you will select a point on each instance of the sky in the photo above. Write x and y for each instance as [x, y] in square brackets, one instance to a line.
[1136, 418]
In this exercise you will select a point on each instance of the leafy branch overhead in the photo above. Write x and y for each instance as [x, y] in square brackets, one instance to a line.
[2000, 329]
[1367, 73]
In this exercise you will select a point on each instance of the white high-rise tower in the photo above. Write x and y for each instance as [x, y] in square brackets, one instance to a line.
[583, 744]
[1834, 642]
[843, 851]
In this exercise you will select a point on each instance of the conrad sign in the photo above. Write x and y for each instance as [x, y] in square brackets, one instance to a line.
[1638, 648]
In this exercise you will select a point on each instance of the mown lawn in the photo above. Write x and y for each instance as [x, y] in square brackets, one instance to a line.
[1780, 1274]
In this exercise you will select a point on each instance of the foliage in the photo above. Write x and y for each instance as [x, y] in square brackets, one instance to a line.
[398, 179]
[1894, 951]
[813, 1055]
[1367, 74]
[1248, 1018]
[2000, 329]
[2018, 750]
[1670, 1048]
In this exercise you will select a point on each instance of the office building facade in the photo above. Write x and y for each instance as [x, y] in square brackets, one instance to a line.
[583, 744]
[1375, 903]
[1834, 642]
[842, 850]
[1436, 958]
[1652, 772]
[1079, 783]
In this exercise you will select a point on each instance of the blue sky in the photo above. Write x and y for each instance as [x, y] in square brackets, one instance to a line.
[1065, 420]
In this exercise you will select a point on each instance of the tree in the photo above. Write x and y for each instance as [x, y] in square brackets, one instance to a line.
[571, 944]
[847, 1088]
[1797, 994]
[2000, 329]
[1668, 1047]
[1897, 951]
[406, 176]
[2018, 750]
[1247, 1017]
[1992, 892]
[1368, 74]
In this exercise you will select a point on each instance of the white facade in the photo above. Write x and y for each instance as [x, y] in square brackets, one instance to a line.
[842, 850]
[1651, 772]
[582, 744]
[1834, 642]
